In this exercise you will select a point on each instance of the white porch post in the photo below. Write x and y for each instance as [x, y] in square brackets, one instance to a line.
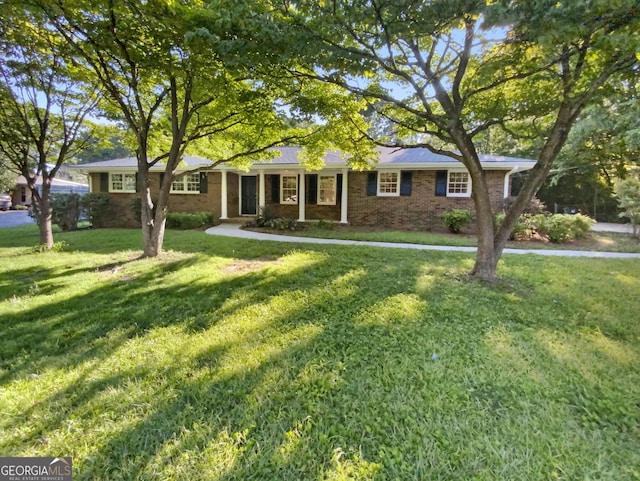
[261, 196]
[302, 198]
[223, 191]
[344, 197]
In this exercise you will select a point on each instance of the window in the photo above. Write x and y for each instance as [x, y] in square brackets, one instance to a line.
[458, 184]
[327, 191]
[389, 183]
[187, 184]
[122, 182]
[289, 189]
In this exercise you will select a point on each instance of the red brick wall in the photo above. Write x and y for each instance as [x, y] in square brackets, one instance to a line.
[290, 211]
[421, 210]
[120, 214]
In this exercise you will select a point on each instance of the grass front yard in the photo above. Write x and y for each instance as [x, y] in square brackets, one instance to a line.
[230, 359]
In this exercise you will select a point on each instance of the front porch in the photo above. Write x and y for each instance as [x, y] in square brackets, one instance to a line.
[292, 193]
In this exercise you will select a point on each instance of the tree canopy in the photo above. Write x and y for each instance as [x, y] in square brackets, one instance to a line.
[442, 73]
[170, 77]
[43, 104]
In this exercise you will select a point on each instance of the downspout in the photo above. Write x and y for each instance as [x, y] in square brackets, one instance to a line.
[507, 176]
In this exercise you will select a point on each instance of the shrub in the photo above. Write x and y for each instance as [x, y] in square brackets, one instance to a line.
[268, 218]
[558, 227]
[281, 223]
[265, 216]
[523, 230]
[95, 206]
[563, 227]
[185, 221]
[456, 219]
[582, 225]
[65, 210]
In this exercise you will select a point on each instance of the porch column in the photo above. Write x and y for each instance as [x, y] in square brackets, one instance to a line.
[344, 197]
[261, 196]
[302, 198]
[223, 190]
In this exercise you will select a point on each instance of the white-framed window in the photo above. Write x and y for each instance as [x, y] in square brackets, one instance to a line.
[288, 189]
[389, 183]
[122, 182]
[458, 183]
[187, 184]
[327, 189]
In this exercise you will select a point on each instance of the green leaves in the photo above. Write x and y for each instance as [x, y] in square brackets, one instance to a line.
[628, 194]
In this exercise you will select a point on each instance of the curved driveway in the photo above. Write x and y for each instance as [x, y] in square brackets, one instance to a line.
[234, 230]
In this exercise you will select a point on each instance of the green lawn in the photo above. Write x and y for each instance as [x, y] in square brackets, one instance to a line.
[595, 241]
[230, 359]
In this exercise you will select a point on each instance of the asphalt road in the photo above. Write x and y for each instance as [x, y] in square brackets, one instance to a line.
[13, 218]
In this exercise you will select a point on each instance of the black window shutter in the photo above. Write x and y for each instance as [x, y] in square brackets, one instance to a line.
[339, 189]
[441, 183]
[372, 183]
[275, 189]
[104, 182]
[137, 187]
[161, 179]
[405, 182]
[204, 185]
[312, 189]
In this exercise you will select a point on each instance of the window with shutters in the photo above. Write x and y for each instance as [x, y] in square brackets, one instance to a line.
[389, 183]
[122, 182]
[289, 189]
[187, 184]
[327, 190]
[458, 184]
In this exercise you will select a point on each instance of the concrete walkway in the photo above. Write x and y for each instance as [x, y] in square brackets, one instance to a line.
[234, 230]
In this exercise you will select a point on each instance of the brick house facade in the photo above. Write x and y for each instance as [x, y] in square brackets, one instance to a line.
[405, 190]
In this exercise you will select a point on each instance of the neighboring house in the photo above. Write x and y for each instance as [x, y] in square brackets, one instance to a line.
[22, 194]
[407, 189]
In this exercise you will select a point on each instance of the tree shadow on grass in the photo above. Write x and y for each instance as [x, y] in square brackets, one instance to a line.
[283, 373]
[223, 397]
[128, 304]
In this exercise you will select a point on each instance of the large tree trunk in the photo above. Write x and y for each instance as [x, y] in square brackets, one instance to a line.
[487, 257]
[46, 233]
[42, 211]
[491, 241]
[153, 215]
[152, 227]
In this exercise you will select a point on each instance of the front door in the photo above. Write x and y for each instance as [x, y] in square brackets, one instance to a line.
[248, 195]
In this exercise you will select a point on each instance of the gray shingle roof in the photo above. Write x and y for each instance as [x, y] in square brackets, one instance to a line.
[420, 157]
[189, 160]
